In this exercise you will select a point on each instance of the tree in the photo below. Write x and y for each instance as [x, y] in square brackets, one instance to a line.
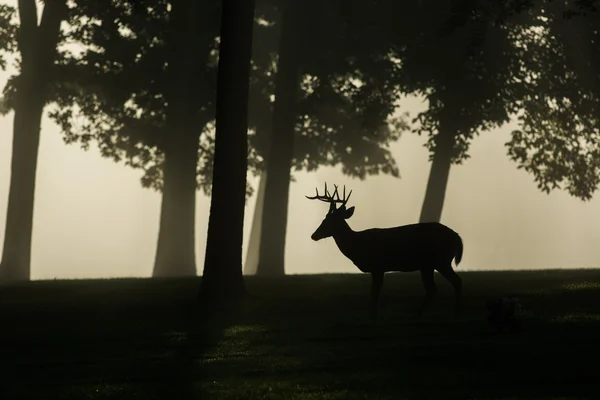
[558, 140]
[175, 252]
[461, 57]
[143, 88]
[37, 44]
[114, 92]
[222, 277]
[332, 105]
[281, 146]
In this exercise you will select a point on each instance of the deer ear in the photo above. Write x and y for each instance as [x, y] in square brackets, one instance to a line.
[349, 212]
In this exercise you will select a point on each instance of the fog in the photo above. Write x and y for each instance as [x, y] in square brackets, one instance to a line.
[93, 219]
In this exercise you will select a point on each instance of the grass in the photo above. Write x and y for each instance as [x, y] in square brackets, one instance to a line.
[301, 337]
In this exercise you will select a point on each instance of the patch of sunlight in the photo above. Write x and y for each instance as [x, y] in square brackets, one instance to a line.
[585, 285]
[528, 398]
[236, 342]
[241, 329]
[104, 391]
[249, 348]
[263, 388]
[544, 291]
[582, 285]
[177, 336]
[577, 317]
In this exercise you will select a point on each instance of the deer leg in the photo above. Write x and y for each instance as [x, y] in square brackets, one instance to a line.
[456, 282]
[376, 284]
[430, 288]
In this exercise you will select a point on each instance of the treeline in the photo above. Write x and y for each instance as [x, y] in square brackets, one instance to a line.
[153, 84]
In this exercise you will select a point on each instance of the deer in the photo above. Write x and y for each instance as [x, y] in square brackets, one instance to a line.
[424, 247]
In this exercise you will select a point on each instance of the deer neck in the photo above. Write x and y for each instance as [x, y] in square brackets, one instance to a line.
[344, 238]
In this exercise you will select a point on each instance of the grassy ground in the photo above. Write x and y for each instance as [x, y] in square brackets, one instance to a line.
[303, 337]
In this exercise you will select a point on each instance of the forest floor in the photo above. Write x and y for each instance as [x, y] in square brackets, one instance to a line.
[301, 337]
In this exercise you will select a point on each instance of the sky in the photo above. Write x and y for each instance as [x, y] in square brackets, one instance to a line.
[93, 219]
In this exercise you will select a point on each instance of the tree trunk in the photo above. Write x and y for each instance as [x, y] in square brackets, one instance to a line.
[222, 278]
[175, 251]
[16, 256]
[37, 45]
[281, 152]
[433, 203]
[254, 242]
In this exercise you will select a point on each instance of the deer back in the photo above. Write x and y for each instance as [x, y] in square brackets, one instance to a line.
[408, 244]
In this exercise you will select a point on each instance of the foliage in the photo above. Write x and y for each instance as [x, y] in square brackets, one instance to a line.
[344, 113]
[8, 33]
[111, 82]
[462, 58]
[8, 43]
[558, 140]
[114, 91]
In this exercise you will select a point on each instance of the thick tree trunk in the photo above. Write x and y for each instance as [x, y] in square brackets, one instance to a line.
[254, 242]
[222, 278]
[279, 161]
[16, 256]
[37, 45]
[175, 251]
[433, 203]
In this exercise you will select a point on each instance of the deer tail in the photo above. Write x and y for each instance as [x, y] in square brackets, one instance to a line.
[458, 250]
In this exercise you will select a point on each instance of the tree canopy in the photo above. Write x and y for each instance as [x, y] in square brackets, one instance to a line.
[110, 83]
[558, 140]
[8, 33]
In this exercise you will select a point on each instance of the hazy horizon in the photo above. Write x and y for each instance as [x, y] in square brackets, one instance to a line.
[93, 219]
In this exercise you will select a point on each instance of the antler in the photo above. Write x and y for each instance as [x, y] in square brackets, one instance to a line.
[330, 198]
[345, 199]
[327, 197]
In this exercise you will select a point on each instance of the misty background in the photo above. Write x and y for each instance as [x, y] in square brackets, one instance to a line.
[93, 219]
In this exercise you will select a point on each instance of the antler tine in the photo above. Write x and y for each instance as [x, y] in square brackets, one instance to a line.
[326, 197]
[347, 198]
[330, 198]
[337, 195]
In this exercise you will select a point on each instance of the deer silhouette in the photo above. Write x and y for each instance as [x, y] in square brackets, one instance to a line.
[424, 247]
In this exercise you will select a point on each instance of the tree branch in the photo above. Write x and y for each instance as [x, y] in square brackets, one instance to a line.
[55, 11]
[27, 28]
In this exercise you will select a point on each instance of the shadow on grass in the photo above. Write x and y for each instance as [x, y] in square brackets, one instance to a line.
[302, 337]
[315, 342]
[115, 339]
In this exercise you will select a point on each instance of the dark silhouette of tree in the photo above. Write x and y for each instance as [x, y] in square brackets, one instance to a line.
[37, 44]
[115, 93]
[222, 277]
[462, 58]
[143, 88]
[175, 252]
[281, 146]
[558, 140]
[477, 92]
[332, 94]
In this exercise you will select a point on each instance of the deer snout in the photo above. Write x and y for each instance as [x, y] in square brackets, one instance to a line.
[318, 235]
[321, 233]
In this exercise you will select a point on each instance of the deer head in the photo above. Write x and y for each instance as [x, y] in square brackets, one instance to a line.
[335, 219]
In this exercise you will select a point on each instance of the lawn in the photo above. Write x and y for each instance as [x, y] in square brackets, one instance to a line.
[300, 337]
